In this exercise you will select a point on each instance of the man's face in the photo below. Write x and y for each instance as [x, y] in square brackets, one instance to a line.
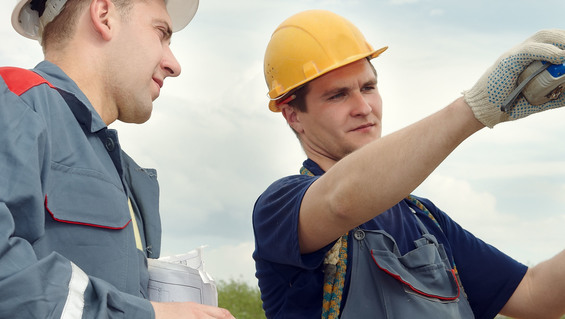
[143, 60]
[344, 112]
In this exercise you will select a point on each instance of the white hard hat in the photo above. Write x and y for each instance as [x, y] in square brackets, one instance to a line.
[27, 21]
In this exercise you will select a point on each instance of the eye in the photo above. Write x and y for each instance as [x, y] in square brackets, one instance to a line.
[369, 88]
[336, 96]
[162, 33]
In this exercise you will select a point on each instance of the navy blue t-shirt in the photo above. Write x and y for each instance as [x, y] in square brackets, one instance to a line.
[292, 284]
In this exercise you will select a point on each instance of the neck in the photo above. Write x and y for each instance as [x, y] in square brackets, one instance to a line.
[84, 70]
[322, 160]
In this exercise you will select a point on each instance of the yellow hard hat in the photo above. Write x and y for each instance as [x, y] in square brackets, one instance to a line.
[308, 45]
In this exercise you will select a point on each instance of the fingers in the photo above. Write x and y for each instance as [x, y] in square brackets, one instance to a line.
[219, 313]
[554, 37]
[545, 45]
[189, 310]
[545, 52]
[551, 44]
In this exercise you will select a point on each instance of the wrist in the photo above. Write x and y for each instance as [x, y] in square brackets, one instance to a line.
[468, 114]
[477, 101]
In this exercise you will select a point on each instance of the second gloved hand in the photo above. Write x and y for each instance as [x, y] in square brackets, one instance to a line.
[489, 93]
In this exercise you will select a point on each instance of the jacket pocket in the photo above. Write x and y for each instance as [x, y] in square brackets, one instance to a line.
[86, 197]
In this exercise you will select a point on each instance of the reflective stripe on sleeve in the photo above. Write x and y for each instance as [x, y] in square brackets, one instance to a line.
[74, 306]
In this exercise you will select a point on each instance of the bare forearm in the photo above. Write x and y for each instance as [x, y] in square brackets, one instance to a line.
[384, 172]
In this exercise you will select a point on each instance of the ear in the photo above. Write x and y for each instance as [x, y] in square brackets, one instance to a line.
[292, 117]
[102, 13]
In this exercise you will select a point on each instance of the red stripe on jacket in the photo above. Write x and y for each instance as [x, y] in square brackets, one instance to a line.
[21, 80]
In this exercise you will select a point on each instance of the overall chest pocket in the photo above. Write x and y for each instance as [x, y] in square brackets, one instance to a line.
[422, 271]
[418, 284]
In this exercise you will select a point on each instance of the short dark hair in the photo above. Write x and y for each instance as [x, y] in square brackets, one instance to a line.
[299, 101]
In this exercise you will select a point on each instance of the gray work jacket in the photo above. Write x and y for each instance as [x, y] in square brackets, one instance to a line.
[67, 247]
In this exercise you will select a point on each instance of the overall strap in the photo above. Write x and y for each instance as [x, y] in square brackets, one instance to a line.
[423, 208]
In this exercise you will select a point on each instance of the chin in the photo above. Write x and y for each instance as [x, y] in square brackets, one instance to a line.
[141, 121]
[144, 119]
[136, 119]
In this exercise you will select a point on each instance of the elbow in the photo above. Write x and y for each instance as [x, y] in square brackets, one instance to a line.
[342, 211]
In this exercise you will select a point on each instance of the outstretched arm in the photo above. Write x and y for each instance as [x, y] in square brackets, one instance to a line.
[377, 176]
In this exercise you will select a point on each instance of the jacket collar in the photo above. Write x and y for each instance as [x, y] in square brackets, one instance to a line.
[61, 81]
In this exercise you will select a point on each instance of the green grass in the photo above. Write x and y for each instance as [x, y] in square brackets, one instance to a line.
[242, 300]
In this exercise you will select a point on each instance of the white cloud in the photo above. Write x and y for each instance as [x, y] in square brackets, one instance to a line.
[530, 238]
[437, 12]
[402, 2]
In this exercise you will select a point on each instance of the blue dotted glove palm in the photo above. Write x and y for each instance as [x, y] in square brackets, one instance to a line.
[488, 95]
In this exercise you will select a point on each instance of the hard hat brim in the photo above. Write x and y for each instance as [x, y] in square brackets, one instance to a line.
[24, 21]
[181, 12]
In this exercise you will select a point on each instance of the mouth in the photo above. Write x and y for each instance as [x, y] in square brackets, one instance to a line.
[159, 82]
[364, 127]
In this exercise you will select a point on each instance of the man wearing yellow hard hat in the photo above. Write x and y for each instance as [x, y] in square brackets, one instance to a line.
[78, 217]
[345, 238]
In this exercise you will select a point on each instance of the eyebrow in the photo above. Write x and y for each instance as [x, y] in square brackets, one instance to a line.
[345, 89]
[335, 91]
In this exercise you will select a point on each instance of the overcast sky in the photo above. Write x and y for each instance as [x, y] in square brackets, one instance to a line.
[216, 145]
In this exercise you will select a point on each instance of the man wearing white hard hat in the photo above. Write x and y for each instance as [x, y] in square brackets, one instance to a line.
[78, 217]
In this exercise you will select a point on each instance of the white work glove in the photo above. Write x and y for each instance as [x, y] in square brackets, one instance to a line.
[488, 95]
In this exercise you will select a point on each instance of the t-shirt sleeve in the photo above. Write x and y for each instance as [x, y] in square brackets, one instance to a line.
[489, 276]
[275, 221]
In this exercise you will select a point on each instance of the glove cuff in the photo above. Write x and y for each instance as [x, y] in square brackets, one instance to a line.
[479, 103]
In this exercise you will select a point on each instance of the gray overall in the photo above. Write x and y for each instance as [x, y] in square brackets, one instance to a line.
[385, 284]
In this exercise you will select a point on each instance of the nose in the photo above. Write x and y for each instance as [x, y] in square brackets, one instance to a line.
[361, 106]
[170, 64]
